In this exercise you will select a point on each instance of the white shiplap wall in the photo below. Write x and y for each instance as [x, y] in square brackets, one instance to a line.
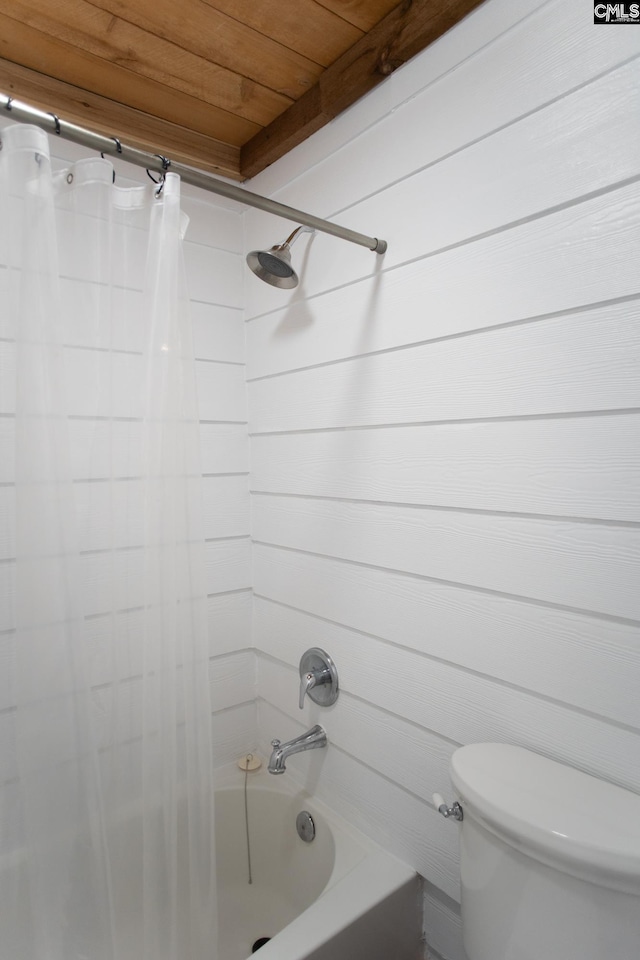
[445, 441]
[213, 254]
[214, 261]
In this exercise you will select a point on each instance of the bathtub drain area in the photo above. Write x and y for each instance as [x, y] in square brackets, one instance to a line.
[260, 942]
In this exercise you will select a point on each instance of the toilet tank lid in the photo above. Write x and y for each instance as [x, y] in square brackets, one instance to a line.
[554, 811]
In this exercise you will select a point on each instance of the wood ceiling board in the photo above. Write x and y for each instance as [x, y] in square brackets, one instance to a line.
[133, 127]
[305, 26]
[63, 62]
[363, 14]
[117, 42]
[203, 30]
[408, 29]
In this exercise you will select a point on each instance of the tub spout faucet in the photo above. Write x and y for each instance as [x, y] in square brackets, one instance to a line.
[311, 740]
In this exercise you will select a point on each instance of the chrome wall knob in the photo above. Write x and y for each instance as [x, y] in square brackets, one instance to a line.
[318, 678]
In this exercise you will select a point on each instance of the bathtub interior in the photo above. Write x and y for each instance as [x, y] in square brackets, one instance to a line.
[337, 897]
[287, 874]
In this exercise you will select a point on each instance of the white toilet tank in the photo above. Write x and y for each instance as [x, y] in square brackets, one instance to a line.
[549, 859]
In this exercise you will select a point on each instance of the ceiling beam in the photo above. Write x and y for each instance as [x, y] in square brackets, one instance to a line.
[113, 119]
[408, 29]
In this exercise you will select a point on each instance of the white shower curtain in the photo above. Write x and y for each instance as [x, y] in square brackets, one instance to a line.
[106, 815]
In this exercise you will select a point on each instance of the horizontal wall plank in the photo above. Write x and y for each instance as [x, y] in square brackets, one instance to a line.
[7, 449]
[520, 171]
[456, 291]
[7, 667]
[228, 565]
[90, 375]
[7, 593]
[372, 803]
[113, 643]
[218, 333]
[225, 507]
[214, 276]
[213, 221]
[113, 647]
[442, 924]
[110, 516]
[464, 707]
[110, 316]
[117, 708]
[89, 387]
[8, 758]
[221, 392]
[101, 449]
[233, 733]
[583, 361]
[85, 260]
[7, 523]
[119, 586]
[224, 448]
[233, 679]
[568, 656]
[585, 565]
[118, 711]
[578, 466]
[229, 619]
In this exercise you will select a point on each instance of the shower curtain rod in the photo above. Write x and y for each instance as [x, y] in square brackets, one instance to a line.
[24, 113]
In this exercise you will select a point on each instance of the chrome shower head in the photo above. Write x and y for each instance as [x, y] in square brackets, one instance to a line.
[274, 265]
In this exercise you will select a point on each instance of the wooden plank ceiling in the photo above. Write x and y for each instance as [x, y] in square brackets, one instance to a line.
[227, 86]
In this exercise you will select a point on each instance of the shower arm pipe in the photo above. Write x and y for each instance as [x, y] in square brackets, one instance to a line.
[24, 113]
[291, 239]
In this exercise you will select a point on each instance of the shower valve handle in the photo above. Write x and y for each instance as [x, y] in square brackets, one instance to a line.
[307, 682]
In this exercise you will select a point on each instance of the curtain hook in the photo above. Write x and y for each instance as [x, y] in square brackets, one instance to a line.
[113, 173]
[57, 123]
[7, 105]
[166, 163]
[118, 150]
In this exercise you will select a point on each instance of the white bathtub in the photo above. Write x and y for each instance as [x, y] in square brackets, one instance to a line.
[340, 896]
